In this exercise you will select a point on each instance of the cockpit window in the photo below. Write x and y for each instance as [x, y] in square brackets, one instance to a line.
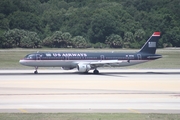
[30, 57]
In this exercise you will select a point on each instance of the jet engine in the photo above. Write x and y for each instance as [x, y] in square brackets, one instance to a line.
[83, 67]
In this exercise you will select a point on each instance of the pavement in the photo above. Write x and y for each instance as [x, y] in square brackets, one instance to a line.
[111, 91]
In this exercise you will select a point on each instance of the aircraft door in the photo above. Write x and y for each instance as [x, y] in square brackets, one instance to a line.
[139, 56]
[101, 57]
[66, 57]
[38, 57]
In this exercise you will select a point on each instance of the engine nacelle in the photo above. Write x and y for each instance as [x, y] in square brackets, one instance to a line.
[67, 68]
[83, 67]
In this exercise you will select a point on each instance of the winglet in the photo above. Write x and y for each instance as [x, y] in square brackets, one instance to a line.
[156, 34]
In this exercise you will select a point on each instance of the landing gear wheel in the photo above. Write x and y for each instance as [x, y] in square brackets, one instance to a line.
[36, 72]
[96, 71]
[86, 72]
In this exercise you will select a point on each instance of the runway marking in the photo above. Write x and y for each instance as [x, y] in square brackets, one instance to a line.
[134, 111]
[23, 111]
[177, 94]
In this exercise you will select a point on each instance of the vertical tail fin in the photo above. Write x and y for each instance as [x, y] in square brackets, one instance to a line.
[150, 45]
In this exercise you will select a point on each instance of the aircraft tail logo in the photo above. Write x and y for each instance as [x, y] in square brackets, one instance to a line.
[151, 44]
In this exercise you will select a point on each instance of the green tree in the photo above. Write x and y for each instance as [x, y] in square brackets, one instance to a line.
[48, 42]
[25, 20]
[128, 39]
[21, 38]
[26, 42]
[13, 38]
[58, 39]
[43, 1]
[94, 20]
[114, 41]
[53, 18]
[79, 42]
[7, 7]
[2, 41]
[66, 37]
[171, 38]
[139, 37]
[30, 6]
[33, 39]
[102, 24]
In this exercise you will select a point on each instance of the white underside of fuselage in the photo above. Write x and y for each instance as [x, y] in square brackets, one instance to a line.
[74, 63]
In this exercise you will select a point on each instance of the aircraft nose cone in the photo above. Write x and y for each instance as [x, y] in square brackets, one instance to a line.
[21, 62]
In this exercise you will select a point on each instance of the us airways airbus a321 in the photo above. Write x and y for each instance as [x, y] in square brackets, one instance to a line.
[86, 61]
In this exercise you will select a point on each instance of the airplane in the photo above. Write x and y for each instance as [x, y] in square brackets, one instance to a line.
[86, 61]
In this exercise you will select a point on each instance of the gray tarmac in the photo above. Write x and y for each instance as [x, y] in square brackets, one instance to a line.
[112, 91]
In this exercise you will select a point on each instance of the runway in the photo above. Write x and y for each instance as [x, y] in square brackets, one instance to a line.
[112, 91]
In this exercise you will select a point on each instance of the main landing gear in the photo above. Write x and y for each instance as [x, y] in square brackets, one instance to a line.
[36, 72]
[96, 71]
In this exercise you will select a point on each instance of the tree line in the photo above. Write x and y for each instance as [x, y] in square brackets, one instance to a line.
[88, 23]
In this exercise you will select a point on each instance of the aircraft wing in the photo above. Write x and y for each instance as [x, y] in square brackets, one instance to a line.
[102, 63]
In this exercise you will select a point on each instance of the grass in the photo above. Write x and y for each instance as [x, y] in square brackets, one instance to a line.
[87, 116]
[9, 58]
